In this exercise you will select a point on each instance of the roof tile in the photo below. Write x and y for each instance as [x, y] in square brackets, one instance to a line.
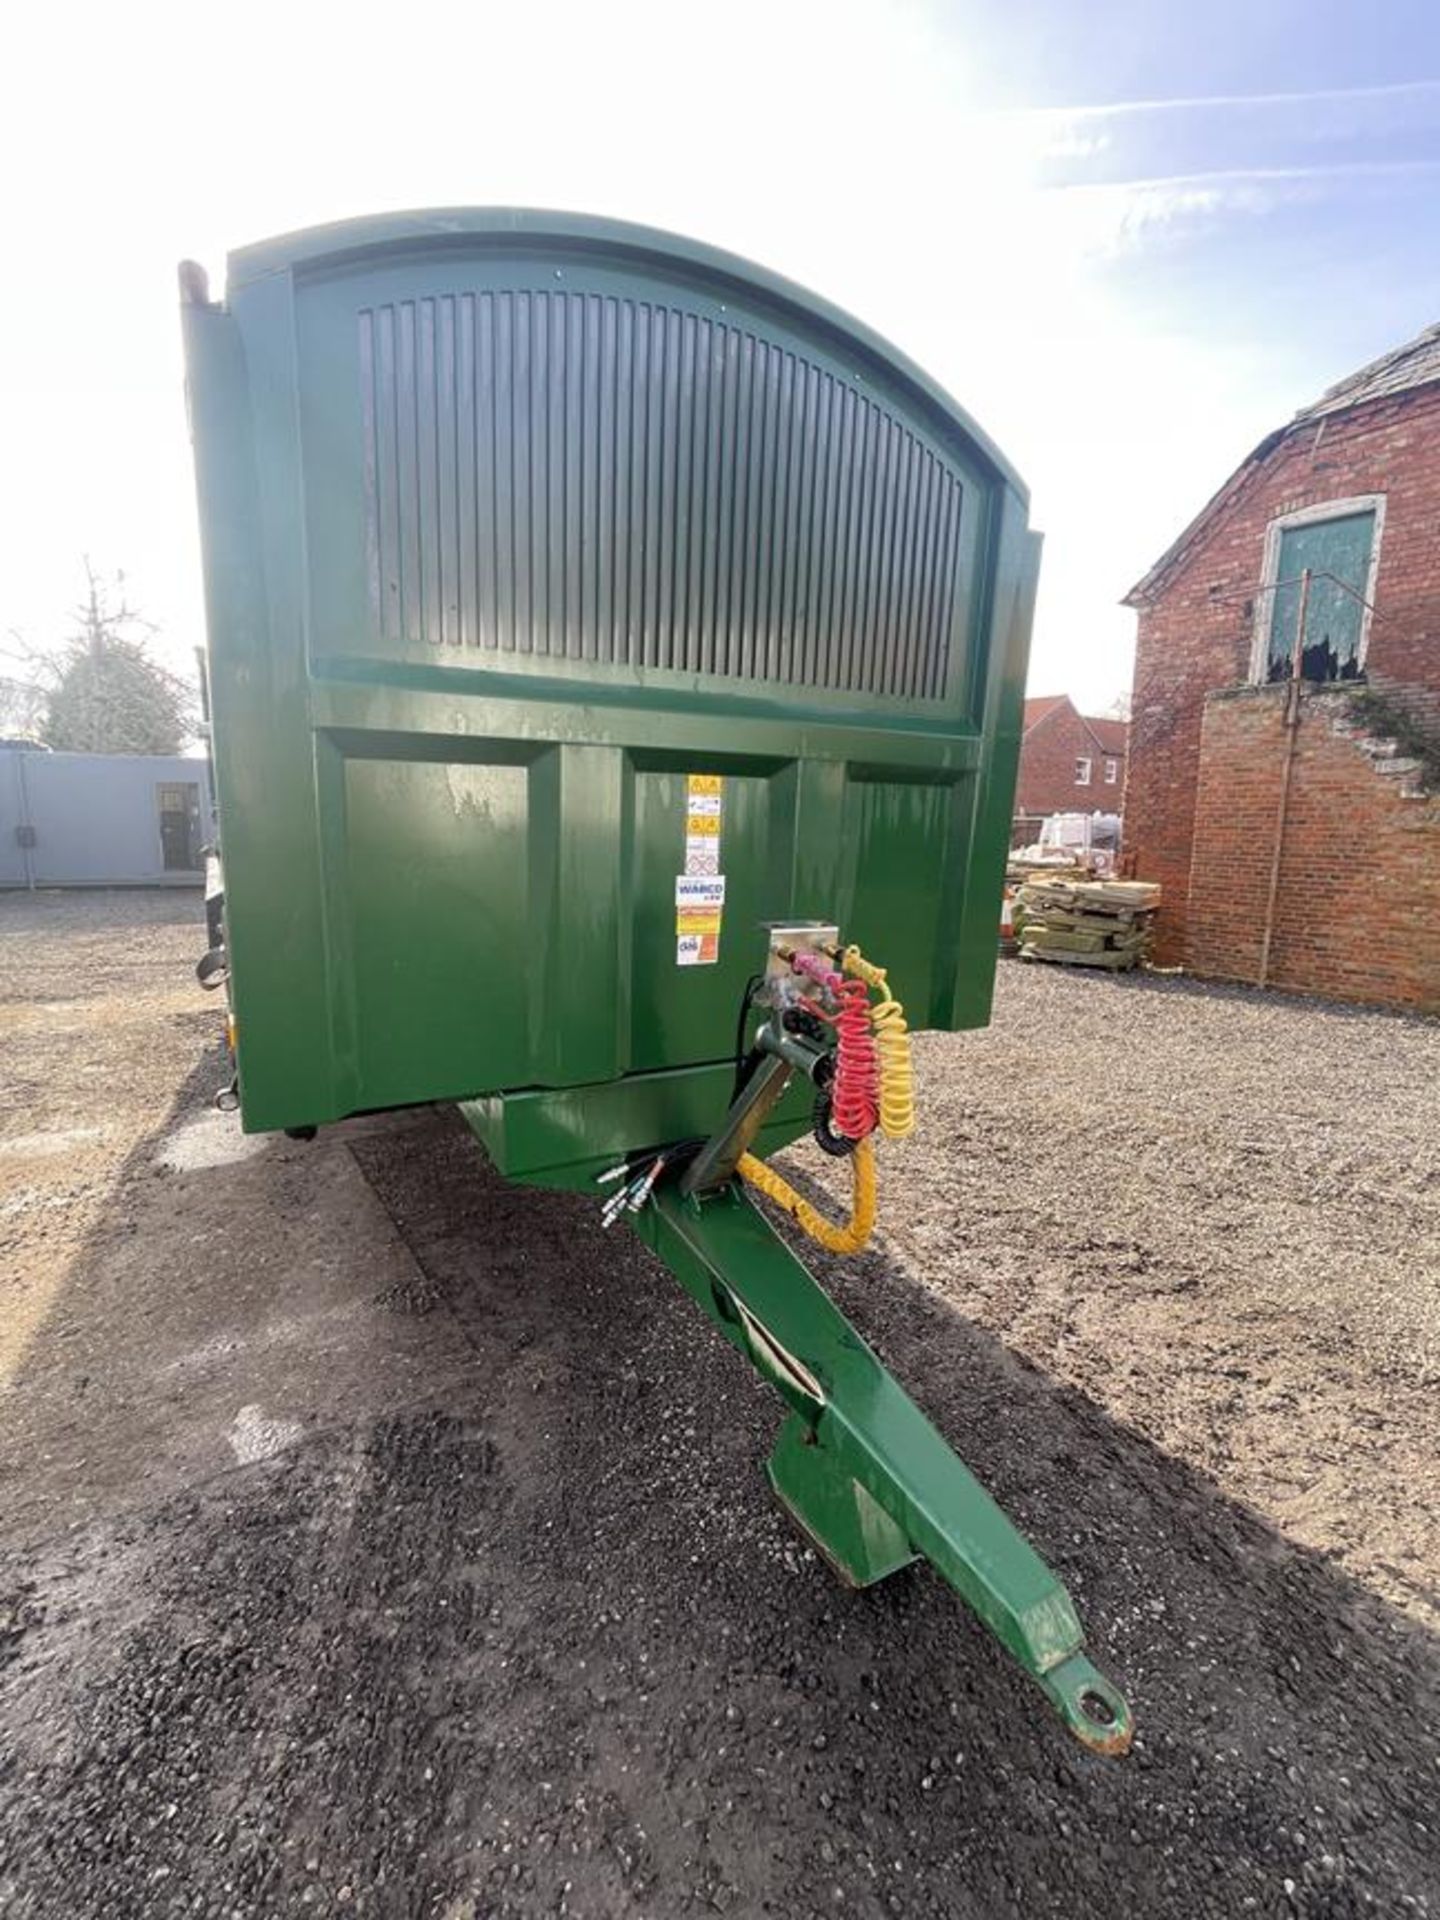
[1415, 364]
[1043, 704]
[1112, 734]
[1402, 370]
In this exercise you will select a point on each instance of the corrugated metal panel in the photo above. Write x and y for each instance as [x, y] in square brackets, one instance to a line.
[597, 478]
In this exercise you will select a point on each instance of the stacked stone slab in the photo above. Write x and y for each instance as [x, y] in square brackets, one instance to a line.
[1086, 923]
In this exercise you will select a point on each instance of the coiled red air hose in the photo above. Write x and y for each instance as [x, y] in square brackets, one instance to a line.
[855, 1095]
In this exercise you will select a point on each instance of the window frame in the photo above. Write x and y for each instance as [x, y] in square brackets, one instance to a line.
[1086, 761]
[1110, 770]
[1275, 532]
[179, 800]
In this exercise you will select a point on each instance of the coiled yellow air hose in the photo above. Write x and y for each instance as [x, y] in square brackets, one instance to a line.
[857, 1229]
[892, 1049]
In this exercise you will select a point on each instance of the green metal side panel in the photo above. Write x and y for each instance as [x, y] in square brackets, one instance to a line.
[564, 1137]
[512, 522]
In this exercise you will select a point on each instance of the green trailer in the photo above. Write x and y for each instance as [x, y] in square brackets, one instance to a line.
[611, 645]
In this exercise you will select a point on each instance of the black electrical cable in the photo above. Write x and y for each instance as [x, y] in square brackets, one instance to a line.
[746, 1059]
[676, 1153]
[840, 1145]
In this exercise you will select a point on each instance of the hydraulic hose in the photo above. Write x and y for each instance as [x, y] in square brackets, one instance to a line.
[855, 1095]
[857, 1229]
[892, 1048]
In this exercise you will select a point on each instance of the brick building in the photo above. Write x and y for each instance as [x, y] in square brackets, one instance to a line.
[1070, 762]
[1290, 826]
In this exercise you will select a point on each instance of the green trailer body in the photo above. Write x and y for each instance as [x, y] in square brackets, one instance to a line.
[536, 549]
[511, 523]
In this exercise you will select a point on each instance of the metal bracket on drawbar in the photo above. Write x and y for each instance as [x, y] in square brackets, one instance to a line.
[793, 936]
[785, 1054]
[720, 1155]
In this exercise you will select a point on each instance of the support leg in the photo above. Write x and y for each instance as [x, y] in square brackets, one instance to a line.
[844, 1522]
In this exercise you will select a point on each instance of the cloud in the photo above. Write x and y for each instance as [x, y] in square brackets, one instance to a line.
[1270, 135]
[1109, 219]
[1419, 94]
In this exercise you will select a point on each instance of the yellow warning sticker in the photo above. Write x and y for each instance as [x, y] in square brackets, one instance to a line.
[705, 920]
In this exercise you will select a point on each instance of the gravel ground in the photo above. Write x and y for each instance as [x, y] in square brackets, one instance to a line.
[1218, 1213]
[100, 1022]
[376, 1538]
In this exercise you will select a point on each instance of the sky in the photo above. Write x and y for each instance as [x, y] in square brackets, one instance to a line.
[1129, 237]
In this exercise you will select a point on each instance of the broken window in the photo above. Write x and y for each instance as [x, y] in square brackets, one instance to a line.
[1337, 554]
